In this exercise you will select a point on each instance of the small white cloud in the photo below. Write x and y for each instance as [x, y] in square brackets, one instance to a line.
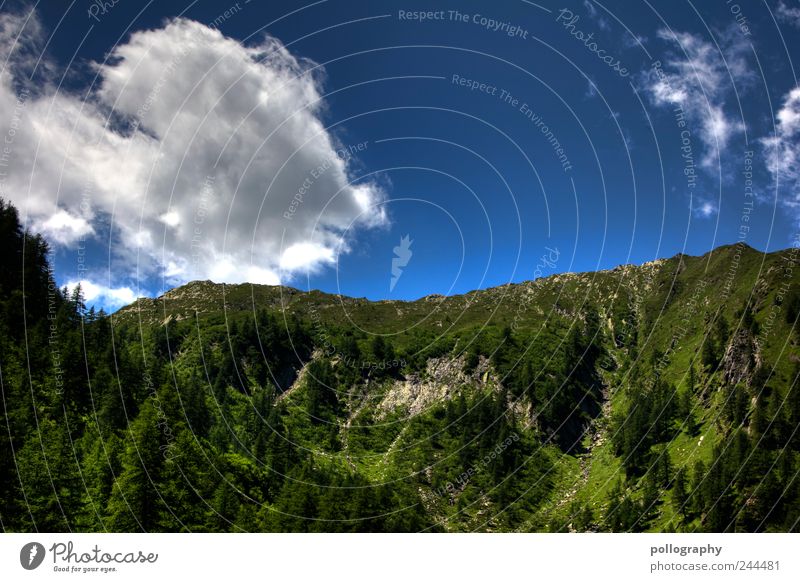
[171, 218]
[664, 93]
[63, 228]
[704, 209]
[103, 296]
[306, 256]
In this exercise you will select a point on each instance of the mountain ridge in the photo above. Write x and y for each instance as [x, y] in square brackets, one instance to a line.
[289, 291]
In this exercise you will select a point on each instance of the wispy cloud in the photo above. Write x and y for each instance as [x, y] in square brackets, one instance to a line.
[591, 90]
[633, 41]
[595, 15]
[788, 14]
[699, 78]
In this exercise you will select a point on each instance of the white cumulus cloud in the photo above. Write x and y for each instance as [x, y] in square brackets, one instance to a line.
[193, 156]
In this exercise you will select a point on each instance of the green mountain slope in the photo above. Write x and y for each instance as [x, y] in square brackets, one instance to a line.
[657, 397]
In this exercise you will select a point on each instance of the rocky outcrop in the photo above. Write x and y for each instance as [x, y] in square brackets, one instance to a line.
[741, 359]
[442, 379]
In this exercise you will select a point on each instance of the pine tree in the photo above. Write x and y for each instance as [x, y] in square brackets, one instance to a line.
[135, 503]
[321, 389]
[679, 494]
[709, 357]
[225, 505]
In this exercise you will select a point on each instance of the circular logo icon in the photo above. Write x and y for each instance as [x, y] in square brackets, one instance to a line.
[31, 555]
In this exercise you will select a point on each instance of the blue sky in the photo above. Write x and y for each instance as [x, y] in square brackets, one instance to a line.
[300, 142]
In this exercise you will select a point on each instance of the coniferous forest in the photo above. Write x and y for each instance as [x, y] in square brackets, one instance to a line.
[660, 397]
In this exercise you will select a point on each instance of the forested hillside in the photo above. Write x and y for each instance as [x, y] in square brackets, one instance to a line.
[660, 397]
